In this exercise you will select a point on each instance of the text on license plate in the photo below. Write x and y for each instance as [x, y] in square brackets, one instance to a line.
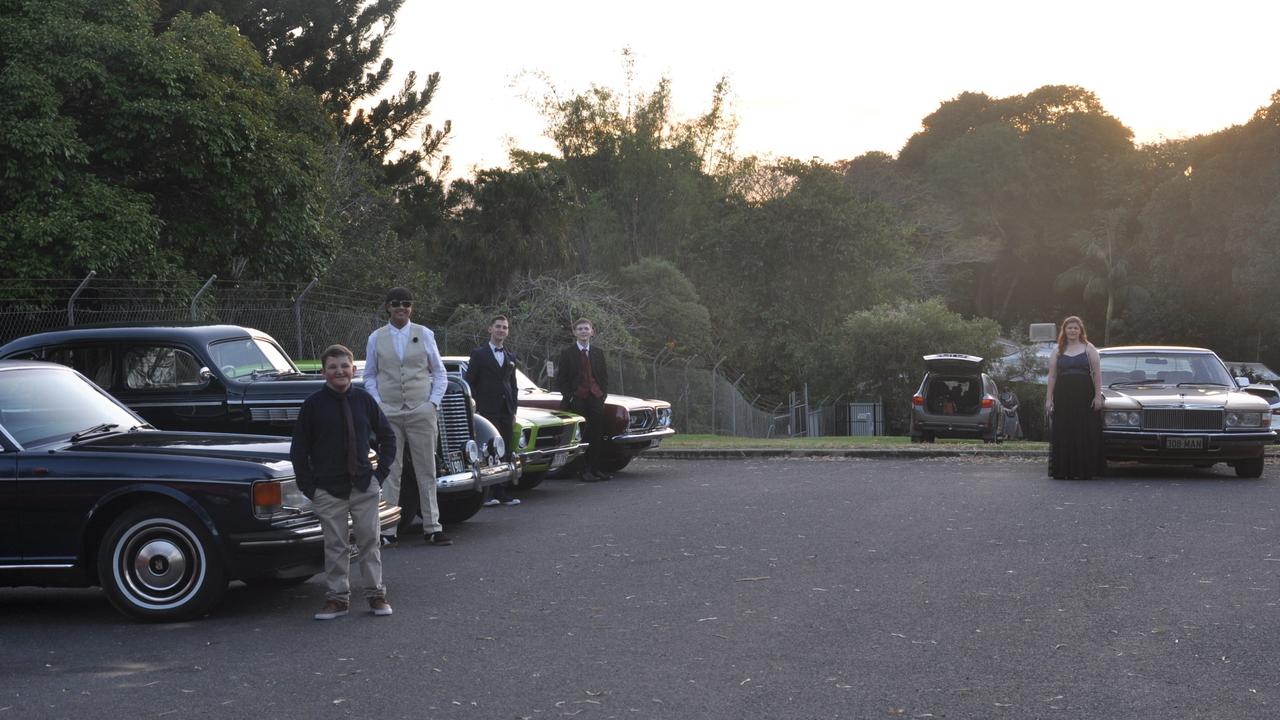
[558, 460]
[1184, 443]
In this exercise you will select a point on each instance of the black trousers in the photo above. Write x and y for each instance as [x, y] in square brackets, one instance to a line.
[592, 409]
[505, 425]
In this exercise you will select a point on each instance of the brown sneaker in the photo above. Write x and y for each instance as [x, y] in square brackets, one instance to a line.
[332, 609]
[438, 538]
[379, 606]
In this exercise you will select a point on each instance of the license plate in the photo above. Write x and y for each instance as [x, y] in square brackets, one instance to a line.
[1184, 443]
[558, 460]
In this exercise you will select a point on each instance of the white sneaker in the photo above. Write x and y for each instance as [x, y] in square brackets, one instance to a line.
[491, 502]
[511, 501]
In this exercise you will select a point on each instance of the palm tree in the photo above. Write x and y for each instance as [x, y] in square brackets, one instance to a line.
[1103, 271]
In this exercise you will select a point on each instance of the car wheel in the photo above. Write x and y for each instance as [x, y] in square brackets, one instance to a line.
[1251, 468]
[614, 464]
[158, 563]
[530, 480]
[457, 507]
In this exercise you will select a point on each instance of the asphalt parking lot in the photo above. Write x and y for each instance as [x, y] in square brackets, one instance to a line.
[760, 588]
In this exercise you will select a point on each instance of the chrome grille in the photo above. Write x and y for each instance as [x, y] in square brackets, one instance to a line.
[1181, 419]
[641, 419]
[455, 426]
[549, 437]
[274, 414]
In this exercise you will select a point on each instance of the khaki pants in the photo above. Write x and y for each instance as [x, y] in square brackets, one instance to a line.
[332, 511]
[416, 434]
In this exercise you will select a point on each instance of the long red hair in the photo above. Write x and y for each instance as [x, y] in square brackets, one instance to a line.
[1062, 332]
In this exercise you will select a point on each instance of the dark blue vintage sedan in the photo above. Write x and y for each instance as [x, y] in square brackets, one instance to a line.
[90, 494]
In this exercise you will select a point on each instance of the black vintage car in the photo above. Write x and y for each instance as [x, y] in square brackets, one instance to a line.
[227, 378]
[90, 494]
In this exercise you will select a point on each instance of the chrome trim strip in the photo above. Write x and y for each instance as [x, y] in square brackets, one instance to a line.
[212, 403]
[551, 453]
[37, 567]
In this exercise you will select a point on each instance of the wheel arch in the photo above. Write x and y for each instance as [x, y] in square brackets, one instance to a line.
[114, 504]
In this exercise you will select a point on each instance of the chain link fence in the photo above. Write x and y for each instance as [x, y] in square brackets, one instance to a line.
[307, 319]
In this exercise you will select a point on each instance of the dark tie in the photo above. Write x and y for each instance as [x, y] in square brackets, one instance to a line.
[586, 367]
[352, 469]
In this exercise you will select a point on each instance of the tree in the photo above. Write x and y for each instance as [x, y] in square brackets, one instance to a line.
[1025, 172]
[1105, 269]
[877, 353]
[542, 312]
[153, 153]
[780, 276]
[641, 181]
[672, 318]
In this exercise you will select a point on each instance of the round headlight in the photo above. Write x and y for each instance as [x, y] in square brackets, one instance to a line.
[577, 432]
[524, 438]
[473, 452]
[498, 447]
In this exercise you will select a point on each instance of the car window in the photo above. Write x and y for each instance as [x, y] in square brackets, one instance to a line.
[38, 405]
[243, 357]
[1163, 367]
[160, 368]
[93, 361]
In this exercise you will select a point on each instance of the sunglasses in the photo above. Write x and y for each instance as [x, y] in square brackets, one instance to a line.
[400, 303]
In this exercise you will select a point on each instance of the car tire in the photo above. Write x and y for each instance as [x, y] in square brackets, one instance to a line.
[1251, 468]
[614, 464]
[158, 563]
[927, 437]
[457, 507]
[530, 480]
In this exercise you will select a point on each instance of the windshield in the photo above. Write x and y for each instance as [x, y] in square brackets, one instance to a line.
[524, 384]
[39, 405]
[244, 357]
[1157, 367]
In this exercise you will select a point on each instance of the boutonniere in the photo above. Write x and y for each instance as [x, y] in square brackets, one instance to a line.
[415, 338]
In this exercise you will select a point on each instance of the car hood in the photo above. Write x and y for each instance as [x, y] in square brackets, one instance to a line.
[538, 416]
[1186, 396]
[546, 399]
[254, 448]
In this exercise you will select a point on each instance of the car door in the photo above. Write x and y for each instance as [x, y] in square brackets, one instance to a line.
[164, 384]
[10, 536]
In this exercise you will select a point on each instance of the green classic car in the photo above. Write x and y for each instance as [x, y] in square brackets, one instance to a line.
[545, 440]
[542, 440]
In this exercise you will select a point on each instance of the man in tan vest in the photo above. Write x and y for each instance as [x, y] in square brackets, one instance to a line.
[404, 373]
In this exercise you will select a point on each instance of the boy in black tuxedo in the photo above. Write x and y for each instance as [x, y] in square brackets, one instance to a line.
[582, 377]
[491, 373]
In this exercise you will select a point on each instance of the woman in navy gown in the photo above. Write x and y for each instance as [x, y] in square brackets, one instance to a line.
[1073, 401]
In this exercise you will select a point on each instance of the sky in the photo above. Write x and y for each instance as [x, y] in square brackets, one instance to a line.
[833, 80]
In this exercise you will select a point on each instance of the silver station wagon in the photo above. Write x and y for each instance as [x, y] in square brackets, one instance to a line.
[956, 399]
[1180, 406]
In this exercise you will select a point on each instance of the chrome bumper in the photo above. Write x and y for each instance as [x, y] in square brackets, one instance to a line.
[388, 518]
[476, 479]
[644, 437]
[535, 456]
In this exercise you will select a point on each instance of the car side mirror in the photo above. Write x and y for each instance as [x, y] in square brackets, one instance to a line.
[206, 374]
[1242, 381]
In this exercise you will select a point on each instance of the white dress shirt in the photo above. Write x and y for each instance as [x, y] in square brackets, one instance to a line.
[499, 354]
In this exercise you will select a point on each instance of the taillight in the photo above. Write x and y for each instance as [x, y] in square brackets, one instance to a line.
[268, 498]
[988, 402]
[917, 400]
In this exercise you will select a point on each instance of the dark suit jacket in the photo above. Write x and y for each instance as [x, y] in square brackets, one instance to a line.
[569, 369]
[493, 387]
